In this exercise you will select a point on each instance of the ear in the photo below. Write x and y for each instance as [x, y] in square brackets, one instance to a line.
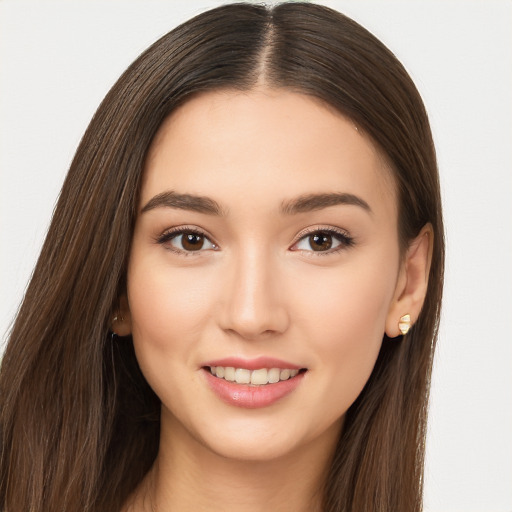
[412, 283]
[121, 323]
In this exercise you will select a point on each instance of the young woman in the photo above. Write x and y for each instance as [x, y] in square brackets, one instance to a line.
[236, 305]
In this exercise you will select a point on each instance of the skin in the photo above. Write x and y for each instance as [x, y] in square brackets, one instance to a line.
[259, 289]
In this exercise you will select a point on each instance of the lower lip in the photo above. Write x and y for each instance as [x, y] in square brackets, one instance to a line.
[251, 397]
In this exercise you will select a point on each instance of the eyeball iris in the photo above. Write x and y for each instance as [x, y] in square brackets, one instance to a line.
[320, 241]
[192, 241]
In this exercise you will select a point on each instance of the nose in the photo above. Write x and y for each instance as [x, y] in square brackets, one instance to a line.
[253, 299]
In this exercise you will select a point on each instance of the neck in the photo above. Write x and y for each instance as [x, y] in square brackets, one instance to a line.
[197, 479]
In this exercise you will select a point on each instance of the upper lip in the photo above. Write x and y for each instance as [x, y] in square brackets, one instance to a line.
[253, 364]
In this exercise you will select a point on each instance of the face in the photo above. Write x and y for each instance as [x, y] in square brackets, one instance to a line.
[263, 269]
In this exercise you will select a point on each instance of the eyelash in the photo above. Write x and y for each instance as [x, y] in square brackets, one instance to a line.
[168, 235]
[344, 239]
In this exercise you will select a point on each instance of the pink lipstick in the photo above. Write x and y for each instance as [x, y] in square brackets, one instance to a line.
[252, 383]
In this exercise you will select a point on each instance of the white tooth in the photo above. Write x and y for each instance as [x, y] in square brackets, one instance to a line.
[273, 375]
[259, 376]
[229, 373]
[219, 371]
[212, 370]
[293, 373]
[284, 375]
[242, 376]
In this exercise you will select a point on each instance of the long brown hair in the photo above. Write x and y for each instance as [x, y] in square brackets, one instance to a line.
[79, 425]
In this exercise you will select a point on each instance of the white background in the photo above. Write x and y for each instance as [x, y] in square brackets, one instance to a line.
[59, 58]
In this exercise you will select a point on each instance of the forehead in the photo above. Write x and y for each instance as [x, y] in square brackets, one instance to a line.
[265, 146]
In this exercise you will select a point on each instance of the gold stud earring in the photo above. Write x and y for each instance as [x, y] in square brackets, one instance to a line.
[404, 324]
[117, 317]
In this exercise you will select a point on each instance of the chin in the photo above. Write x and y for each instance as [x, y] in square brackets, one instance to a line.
[264, 440]
[258, 448]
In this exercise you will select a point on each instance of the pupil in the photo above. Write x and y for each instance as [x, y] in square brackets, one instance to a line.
[320, 241]
[192, 241]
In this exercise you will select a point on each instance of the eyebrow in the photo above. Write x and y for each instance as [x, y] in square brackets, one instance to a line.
[171, 199]
[302, 204]
[313, 202]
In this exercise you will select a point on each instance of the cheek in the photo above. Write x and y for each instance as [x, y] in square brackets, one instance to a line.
[168, 309]
[346, 315]
[349, 300]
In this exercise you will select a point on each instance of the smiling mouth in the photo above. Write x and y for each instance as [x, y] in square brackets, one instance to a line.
[259, 377]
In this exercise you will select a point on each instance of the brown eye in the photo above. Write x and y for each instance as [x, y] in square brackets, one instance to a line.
[192, 241]
[327, 241]
[186, 241]
[320, 241]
